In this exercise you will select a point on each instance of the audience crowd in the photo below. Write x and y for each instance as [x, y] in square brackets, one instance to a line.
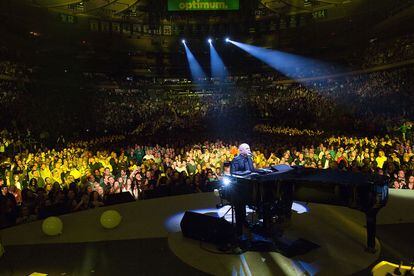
[14, 70]
[372, 101]
[389, 51]
[287, 131]
[48, 182]
[369, 101]
[38, 181]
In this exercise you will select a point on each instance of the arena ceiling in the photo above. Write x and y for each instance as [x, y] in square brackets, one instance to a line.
[298, 5]
[89, 7]
[116, 8]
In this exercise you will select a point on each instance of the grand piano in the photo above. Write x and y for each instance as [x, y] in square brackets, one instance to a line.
[271, 192]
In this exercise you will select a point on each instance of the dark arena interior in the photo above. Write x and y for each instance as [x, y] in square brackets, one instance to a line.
[206, 137]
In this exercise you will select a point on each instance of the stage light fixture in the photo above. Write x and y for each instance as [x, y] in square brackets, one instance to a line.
[210, 40]
[226, 181]
[183, 41]
[227, 40]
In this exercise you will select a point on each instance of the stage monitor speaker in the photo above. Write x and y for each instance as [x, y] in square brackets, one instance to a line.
[119, 198]
[206, 228]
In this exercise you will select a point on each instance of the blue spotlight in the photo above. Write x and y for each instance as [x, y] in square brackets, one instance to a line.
[183, 41]
[227, 40]
[218, 69]
[292, 66]
[209, 40]
[197, 72]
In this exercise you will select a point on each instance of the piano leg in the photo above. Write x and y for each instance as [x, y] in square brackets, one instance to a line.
[371, 218]
[240, 210]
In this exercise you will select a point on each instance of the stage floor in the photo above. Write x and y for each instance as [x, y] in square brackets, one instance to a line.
[122, 257]
[148, 242]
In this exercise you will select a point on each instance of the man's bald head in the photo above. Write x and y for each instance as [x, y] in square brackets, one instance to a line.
[244, 149]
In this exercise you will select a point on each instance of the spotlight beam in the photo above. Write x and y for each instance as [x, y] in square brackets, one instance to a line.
[292, 66]
[218, 69]
[197, 73]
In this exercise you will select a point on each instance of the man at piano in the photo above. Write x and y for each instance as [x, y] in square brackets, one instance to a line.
[243, 161]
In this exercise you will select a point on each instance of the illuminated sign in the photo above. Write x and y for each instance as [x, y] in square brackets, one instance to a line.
[320, 14]
[202, 5]
[67, 18]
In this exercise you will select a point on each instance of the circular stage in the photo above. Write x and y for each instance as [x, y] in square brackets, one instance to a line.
[341, 248]
[149, 241]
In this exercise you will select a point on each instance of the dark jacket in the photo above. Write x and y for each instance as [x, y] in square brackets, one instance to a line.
[241, 163]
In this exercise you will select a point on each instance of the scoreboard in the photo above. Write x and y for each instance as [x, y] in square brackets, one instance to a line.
[203, 5]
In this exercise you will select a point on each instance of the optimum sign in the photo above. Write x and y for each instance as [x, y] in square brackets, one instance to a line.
[202, 5]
